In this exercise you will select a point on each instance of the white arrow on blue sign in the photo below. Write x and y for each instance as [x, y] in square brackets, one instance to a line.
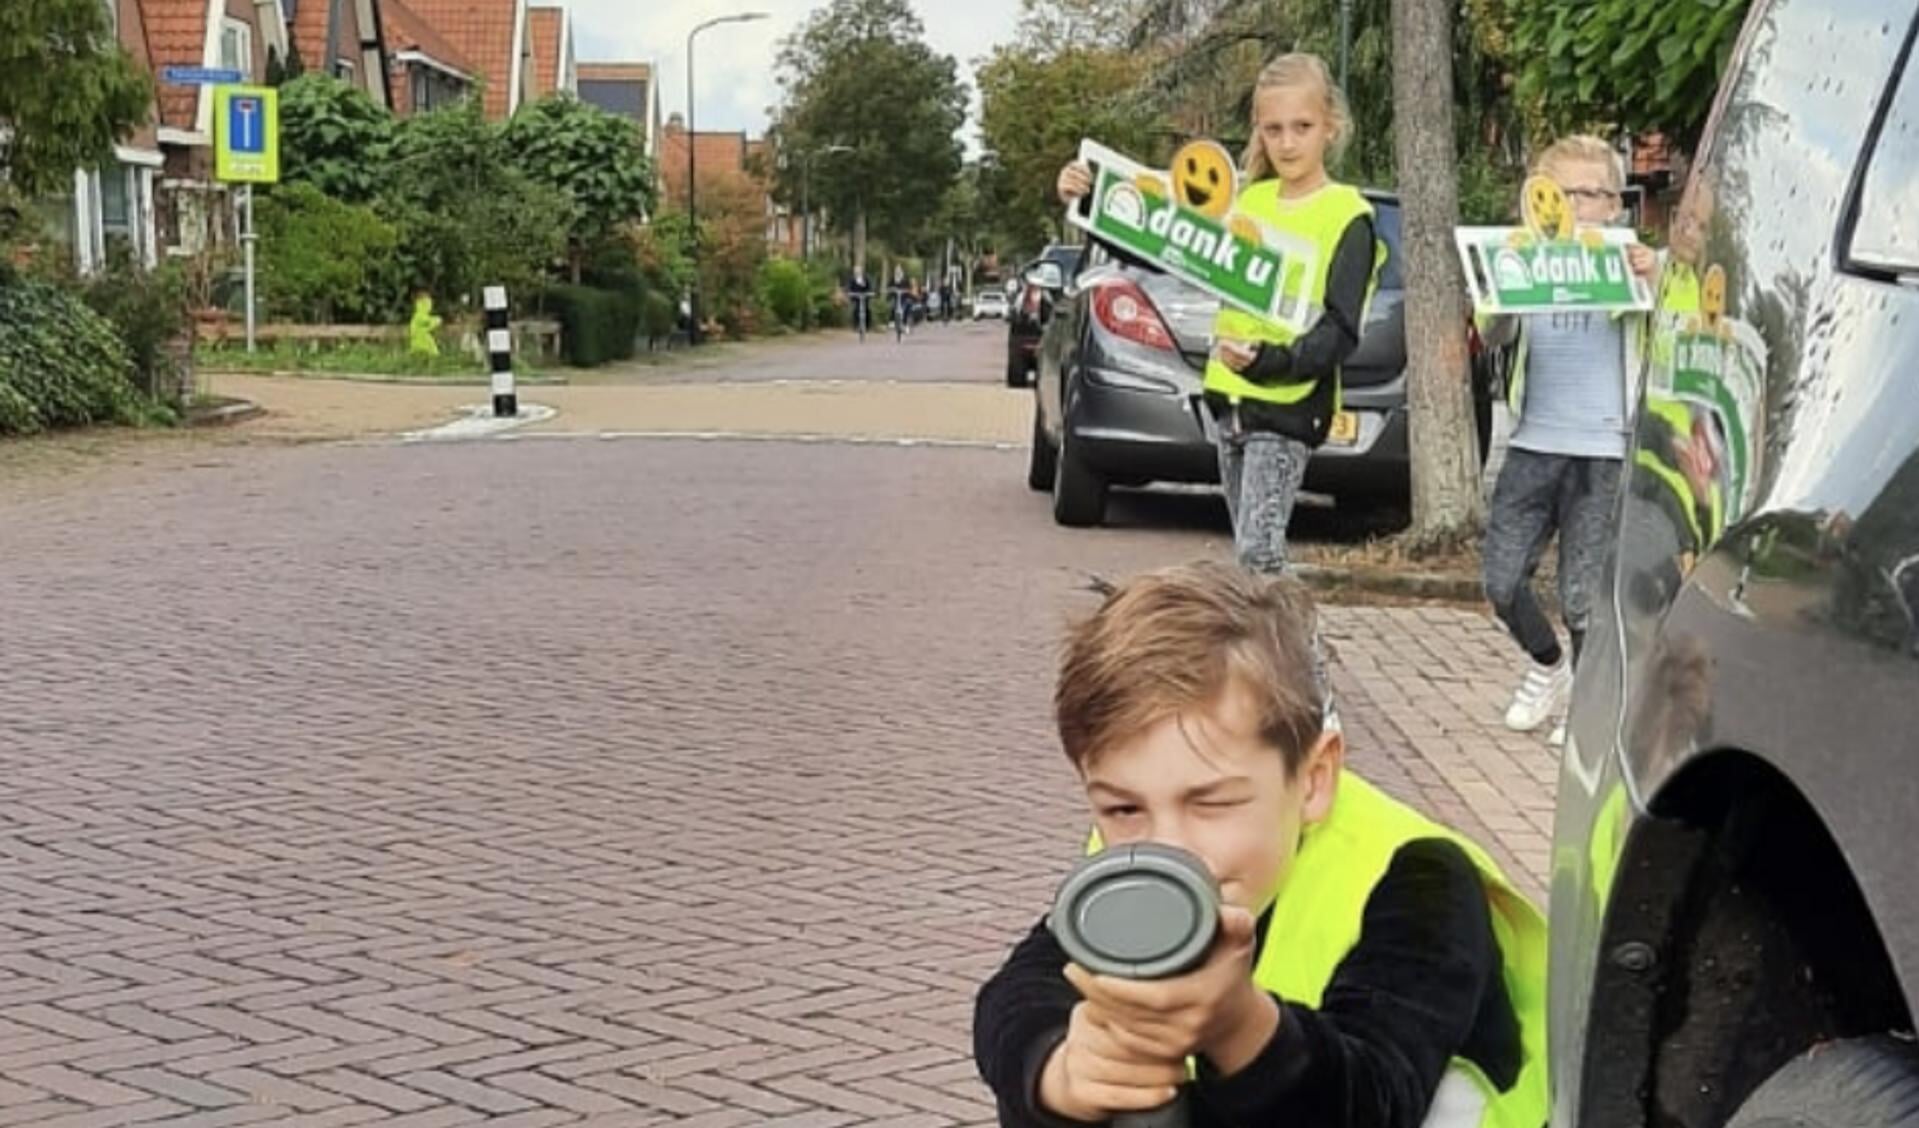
[201, 76]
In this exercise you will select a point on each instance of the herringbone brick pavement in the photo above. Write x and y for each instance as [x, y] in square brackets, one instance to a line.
[572, 782]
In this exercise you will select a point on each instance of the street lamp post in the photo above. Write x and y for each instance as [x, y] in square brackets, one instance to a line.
[806, 210]
[692, 180]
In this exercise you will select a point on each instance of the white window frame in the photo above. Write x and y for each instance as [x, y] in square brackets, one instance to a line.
[244, 32]
[346, 71]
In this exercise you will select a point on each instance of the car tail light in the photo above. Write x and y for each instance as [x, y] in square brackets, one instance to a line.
[1124, 310]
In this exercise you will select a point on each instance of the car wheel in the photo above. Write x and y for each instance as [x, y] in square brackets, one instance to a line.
[1856, 1083]
[1079, 491]
[1042, 465]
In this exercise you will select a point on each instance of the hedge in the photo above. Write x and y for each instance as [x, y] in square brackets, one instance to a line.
[61, 364]
[595, 325]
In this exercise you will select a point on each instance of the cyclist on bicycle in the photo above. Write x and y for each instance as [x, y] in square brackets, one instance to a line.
[900, 294]
[860, 292]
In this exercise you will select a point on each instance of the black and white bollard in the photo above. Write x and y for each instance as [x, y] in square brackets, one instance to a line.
[499, 351]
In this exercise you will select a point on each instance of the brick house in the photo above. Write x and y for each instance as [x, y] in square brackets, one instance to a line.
[627, 89]
[114, 205]
[495, 38]
[722, 154]
[425, 71]
[191, 210]
[553, 68]
[342, 38]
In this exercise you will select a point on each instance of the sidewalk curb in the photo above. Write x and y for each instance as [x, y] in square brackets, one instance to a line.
[1413, 585]
[377, 378]
[225, 415]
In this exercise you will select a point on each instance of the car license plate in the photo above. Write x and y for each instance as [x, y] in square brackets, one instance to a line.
[1345, 429]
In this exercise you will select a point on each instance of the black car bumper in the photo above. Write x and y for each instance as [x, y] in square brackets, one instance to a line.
[1134, 436]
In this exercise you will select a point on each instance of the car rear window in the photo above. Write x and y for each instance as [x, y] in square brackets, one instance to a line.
[1386, 226]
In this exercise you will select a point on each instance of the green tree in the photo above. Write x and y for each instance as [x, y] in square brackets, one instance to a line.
[68, 91]
[1034, 110]
[325, 260]
[860, 74]
[466, 216]
[591, 158]
[1629, 64]
[333, 137]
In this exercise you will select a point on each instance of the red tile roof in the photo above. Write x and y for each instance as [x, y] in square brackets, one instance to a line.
[406, 31]
[544, 25]
[176, 36]
[482, 30]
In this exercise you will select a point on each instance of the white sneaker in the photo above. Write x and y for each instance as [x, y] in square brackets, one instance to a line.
[1539, 697]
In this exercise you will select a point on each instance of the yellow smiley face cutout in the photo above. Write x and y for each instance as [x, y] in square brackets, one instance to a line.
[1712, 302]
[1545, 208]
[1204, 178]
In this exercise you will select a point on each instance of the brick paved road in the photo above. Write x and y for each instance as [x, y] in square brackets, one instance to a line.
[554, 781]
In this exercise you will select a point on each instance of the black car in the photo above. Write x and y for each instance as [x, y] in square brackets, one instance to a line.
[1024, 317]
[1117, 399]
[1735, 930]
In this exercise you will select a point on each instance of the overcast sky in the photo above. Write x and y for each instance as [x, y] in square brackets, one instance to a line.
[735, 61]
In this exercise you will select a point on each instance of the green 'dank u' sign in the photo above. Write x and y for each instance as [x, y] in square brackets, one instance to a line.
[1513, 270]
[1265, 278]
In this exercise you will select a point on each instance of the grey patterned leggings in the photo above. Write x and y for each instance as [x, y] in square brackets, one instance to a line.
[1537, 495]
[1260, 474]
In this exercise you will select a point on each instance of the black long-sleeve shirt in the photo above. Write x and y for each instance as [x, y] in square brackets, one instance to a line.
[1423, 985]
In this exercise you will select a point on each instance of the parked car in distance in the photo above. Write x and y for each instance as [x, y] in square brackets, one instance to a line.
[1026, 319]
[989, 303]
[1117, 401]
[1735, 936]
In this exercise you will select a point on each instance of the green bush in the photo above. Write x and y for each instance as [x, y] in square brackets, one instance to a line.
[61, 364]
[326, 261]
[595, 325]
[148, 308]
[658, 315]
[784, 290]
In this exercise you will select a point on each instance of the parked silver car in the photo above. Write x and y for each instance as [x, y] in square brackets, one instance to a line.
[1735, 896]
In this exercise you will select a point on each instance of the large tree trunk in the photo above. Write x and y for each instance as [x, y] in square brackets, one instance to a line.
[1445, 452]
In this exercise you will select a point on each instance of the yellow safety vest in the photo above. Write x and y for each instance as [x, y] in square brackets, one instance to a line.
[1677, 417]
[1316, 921]
[1321, 219]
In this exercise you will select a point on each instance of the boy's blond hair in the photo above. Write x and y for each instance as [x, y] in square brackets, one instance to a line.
[1581, 148]
[1298, 69]
[1175, 639]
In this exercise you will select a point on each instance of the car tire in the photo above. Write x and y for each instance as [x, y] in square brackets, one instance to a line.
[1042, 465]
[1079, 491]
[1855, 1083]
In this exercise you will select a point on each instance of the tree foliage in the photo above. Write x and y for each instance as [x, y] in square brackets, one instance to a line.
[1631, 64]
[323, 259]
[1034, 110]
[860, 74]
[333, 137]
[68, 91]
[591, 158]
[466, 215]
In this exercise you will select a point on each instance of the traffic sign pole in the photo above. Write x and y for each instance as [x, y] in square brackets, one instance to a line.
[247, 239]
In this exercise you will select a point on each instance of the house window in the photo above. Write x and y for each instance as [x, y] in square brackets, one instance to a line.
[116, 200]
[236, 46]
[343, 70]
